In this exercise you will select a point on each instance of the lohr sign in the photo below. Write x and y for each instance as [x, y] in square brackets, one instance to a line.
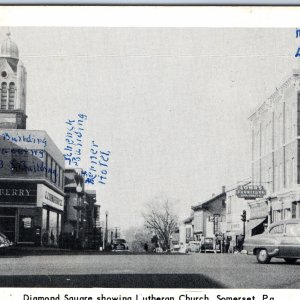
[250, 191]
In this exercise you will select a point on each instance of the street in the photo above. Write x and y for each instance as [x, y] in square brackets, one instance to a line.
[146, 271]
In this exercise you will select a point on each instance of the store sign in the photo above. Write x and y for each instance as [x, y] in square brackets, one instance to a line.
[47, 196]
[250, 191]
[18, 193]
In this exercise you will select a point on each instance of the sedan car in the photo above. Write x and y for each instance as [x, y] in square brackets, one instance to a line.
[193, 246]
[281, 239]
[208, 245]
[119, 245]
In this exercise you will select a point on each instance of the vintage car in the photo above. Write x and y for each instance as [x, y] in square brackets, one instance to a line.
[208, 245]
[193, 246]
[119, 245]
[281, 239]
[4, 241]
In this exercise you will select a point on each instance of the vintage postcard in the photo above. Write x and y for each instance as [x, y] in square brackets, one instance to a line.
[149, 148]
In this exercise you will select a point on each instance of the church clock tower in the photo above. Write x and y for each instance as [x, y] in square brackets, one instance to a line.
[12, 87]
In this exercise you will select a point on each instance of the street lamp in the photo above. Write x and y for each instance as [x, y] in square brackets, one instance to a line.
[106, 233]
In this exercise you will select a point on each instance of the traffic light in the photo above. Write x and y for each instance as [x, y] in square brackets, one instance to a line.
[244, 216]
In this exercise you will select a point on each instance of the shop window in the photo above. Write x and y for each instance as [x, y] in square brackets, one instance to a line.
[45, 227]
[59, 224]
[53, 228]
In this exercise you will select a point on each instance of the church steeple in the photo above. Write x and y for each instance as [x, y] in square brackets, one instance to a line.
[12, 86]
[9, 48]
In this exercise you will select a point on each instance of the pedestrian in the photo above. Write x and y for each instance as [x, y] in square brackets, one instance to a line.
[146, 247]
[223, 244]
[52, 238]
[45, 238]
[227, 244]
[240, 241]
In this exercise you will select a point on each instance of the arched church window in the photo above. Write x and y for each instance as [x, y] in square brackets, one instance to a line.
[11, 97]
[4, 95]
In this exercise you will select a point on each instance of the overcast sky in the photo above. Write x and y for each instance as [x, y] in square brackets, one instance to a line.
[171, 104]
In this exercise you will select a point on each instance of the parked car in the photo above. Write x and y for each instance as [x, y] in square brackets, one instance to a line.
[119, 245]
[4, 241]
[193, 246]
[281, 239]
[208, 245]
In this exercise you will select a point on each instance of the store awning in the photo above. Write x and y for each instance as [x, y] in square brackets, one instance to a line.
[254, 223]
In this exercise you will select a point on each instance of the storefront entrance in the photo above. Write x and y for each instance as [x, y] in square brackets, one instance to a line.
[26, 230]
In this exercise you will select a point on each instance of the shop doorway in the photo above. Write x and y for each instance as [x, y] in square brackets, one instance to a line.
[8, 227]
[26, 230]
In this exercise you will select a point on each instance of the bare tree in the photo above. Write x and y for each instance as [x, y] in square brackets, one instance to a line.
[161, 220]
[137, 237]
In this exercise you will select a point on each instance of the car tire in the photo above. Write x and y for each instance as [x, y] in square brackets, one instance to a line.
[290, 260]
[263, 256]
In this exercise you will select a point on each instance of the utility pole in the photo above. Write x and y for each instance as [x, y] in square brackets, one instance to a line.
[106, 232]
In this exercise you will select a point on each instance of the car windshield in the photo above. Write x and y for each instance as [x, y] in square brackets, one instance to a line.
[119, 241]
[293, 229]
[208, 241]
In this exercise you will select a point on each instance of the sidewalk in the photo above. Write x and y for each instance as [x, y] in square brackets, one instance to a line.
[34, 250]
[23, 250]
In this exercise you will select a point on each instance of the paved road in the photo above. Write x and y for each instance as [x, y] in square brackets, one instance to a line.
[157, 271]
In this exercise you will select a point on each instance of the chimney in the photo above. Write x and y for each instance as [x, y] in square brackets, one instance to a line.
[223, 189]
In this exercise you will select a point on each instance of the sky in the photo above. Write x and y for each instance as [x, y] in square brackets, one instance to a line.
[170, 104]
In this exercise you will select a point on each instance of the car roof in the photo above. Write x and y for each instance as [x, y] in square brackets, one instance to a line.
[119, 241]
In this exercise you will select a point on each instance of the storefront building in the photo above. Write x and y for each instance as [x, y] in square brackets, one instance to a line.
[275, 153]
[210, 217]
[31, 189]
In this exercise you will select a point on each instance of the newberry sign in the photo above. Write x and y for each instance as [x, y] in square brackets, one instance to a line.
[250, 191]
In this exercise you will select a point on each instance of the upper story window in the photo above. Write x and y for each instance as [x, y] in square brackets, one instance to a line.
[11, 97]
[4, 95]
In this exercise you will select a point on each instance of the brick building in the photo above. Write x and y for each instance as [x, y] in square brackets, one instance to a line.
[276, 156]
